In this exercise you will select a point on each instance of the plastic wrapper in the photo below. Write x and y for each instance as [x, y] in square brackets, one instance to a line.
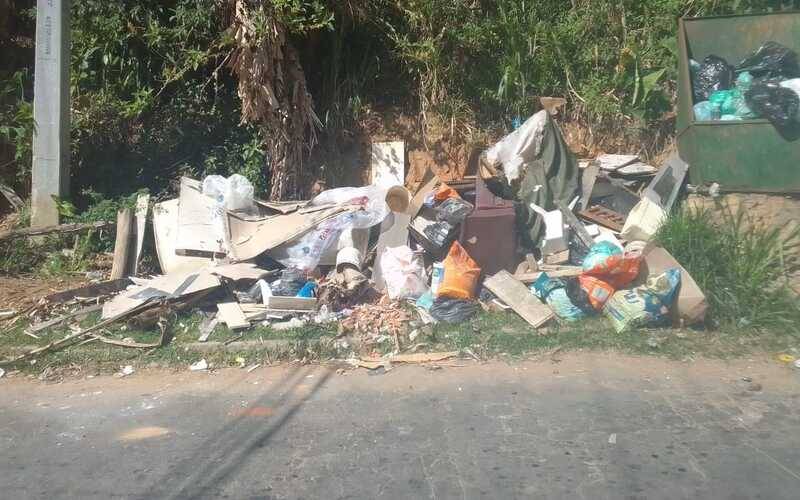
[706, 112]
[404, 273]
[793, 84]
[461, 275]
[234, 193]
[715, 74]
[445, 192]
[744, 81]
[289, 284]
[520, 146]
[644, 306]
[731, 103]
[606, 262]
[453, 310]
[554, 292]
[306, 252]
[454, 211]
[771, 60]
[777, 104]
[597, 290]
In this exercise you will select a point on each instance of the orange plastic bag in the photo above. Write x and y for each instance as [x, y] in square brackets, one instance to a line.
[445, 192]
[618, 270]
[461, 275]
[598, 290]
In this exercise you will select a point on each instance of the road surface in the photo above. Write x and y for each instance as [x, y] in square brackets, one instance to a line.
[589, 426]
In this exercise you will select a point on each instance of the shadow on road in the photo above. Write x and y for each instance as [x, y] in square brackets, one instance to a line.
[207, 469]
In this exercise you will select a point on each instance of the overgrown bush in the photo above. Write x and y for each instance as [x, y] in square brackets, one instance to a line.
[740, 266]
[153, 97]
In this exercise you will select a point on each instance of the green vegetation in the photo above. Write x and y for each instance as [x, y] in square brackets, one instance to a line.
[153, 93]
[740, 266]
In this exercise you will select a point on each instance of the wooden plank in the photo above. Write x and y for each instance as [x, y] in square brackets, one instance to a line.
[588, 180]
[122, 245]
[291, 303]
[38, 327]
[13, 199]
[231, 314]
[140, 220]
[521, 300]
[90, 291]
[62, 229]
[604, 217]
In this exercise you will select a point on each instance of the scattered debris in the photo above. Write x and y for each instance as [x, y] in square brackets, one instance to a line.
[199, 366]
[125, 371]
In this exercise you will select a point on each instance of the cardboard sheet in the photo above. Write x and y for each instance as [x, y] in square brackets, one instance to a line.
[250, 237]
[165, 229]
[197, 230]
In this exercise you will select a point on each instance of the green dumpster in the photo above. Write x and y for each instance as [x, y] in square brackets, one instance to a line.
[747, 155]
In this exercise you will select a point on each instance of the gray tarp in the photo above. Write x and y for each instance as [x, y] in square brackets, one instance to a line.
[532, 165]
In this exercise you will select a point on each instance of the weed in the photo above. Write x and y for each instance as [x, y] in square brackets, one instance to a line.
[740, 266]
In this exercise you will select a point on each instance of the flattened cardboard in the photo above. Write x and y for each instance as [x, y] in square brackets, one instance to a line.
[690, 306]
[169, 286]
[250, 237]
[197, 231]
[165, 229]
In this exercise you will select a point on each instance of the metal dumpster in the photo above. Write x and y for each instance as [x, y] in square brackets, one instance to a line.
[749, 155]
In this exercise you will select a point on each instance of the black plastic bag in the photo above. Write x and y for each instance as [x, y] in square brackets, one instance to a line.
[578, 296]
[715, 74]
[454, 211]
[777, 104]
[453, 310]
[771, 60]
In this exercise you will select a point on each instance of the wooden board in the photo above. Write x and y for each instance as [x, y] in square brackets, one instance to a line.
[290, 303]
[165, 229]
[231, 314]
[388, 164]
[519, 298]
[121, 265]
[140, 222]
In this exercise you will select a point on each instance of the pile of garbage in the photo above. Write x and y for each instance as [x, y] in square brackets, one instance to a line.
[534, 232]
[765, 84]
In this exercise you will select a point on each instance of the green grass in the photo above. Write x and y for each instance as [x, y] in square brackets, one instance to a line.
[740, 266]
[488, 335]
[491, 335]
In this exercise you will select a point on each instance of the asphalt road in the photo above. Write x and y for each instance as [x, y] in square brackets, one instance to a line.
[590, 426]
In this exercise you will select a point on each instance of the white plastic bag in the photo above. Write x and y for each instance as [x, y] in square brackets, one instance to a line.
[520, 146]
[371, 198]
[404, 273]
[233, 193]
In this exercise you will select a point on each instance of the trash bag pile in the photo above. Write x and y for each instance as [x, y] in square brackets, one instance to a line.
[766, 84]
[534, 233]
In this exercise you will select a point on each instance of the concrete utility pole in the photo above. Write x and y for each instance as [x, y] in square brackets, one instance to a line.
[50, 175]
